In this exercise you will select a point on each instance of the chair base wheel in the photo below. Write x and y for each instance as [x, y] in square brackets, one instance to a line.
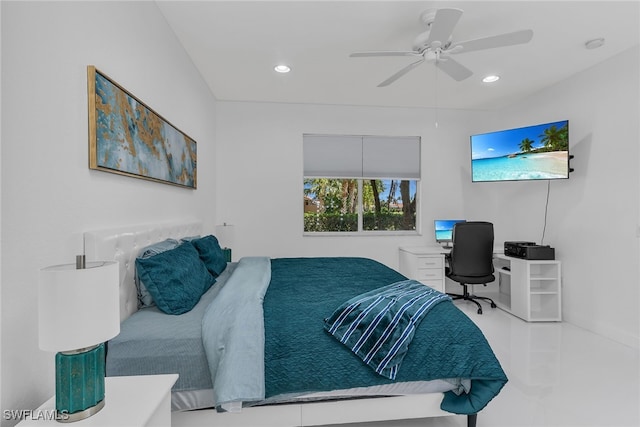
[472, 298]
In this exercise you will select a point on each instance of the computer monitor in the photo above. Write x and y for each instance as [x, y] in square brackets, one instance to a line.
[444, 230]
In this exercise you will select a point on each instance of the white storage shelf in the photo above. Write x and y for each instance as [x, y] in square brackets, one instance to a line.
[529, 289]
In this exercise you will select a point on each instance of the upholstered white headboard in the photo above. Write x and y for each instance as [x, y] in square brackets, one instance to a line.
[123, 245]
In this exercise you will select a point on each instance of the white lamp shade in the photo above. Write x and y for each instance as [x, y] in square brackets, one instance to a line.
[78, 308]
[225, 234]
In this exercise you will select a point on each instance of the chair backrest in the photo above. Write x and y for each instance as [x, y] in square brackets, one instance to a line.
[472, 253]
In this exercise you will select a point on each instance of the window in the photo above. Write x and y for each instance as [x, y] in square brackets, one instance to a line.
[360, 183]
[335, 204]
[389, 204]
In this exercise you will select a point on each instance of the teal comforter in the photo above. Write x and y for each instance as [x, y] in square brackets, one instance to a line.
[301, 357]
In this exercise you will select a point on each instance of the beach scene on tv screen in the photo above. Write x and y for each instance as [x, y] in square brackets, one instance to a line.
[533, 152]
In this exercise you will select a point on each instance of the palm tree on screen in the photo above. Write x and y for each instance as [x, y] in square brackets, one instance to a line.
[555, 138]
[526, 145]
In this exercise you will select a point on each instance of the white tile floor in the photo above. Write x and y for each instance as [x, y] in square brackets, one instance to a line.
[559, 376]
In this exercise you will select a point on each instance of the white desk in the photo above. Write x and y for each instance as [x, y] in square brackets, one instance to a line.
[133, 401]
[528, 289]
[424, 264]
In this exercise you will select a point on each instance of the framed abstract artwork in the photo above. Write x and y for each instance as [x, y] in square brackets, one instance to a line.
[127, 137]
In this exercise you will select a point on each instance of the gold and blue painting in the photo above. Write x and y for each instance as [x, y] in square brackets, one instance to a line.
[129, 138]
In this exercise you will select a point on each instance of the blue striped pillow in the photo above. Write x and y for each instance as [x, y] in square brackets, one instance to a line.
[378, 326]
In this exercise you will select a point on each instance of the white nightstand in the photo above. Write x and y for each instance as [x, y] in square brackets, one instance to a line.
[134, 401]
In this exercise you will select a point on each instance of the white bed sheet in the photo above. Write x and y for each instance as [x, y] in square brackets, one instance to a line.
[202, 399]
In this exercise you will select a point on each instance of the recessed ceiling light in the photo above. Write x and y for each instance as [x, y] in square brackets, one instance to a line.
[595, 43]
[491, 78]
[282, 69]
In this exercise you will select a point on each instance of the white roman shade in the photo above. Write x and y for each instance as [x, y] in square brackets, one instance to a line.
[369, 157]
[332, 156]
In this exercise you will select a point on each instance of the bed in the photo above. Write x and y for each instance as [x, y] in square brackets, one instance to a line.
[272, 358]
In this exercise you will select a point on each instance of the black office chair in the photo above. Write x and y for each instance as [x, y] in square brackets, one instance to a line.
[471, 259]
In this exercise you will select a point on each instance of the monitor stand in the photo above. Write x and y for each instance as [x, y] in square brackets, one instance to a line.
[447, 246]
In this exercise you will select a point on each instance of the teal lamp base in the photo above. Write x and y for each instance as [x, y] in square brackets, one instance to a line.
[80, 383]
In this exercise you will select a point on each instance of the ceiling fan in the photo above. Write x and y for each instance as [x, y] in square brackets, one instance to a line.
[435, 45]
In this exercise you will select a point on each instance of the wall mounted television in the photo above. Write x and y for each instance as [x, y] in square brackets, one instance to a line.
[538, 152]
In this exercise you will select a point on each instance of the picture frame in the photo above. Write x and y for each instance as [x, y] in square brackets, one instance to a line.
[127, 137]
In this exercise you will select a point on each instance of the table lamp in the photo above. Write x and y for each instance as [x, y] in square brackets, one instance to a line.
[78, 308]
[225, 234]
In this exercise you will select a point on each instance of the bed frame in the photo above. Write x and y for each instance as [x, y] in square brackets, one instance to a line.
[124, 243]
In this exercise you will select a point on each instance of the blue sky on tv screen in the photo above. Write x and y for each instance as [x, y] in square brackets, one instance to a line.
[505, 142]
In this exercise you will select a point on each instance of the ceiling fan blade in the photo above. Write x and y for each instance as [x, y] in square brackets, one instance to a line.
[454, 69]
[384, 53]
[508, 39]
[443, 24]
[401, 73]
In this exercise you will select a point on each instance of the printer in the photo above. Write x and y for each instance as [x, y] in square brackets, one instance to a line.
[529, 250]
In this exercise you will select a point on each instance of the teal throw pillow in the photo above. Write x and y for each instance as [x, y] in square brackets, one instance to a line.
[211, 254]
[176, 279]
[144, 297]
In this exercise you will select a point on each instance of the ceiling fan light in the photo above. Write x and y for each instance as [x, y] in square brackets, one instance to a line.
[282, 68]
[491, 78]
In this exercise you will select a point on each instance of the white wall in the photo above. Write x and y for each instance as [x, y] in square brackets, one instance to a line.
[591, 219]
[260, 173]
[49, 196]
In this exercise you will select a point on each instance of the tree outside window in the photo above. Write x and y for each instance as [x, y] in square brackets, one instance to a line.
[359, 205]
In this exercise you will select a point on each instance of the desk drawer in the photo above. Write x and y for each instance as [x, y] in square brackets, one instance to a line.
[429, 274]
[430, 262]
